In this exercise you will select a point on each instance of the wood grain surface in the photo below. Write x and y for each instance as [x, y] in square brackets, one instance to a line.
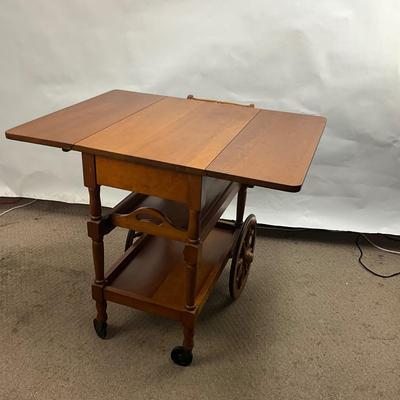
[174, 131]
[236, 143]
[274, 150]
[65, 127]
[163, 278]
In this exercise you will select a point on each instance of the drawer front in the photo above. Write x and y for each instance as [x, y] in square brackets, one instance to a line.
[150, 180]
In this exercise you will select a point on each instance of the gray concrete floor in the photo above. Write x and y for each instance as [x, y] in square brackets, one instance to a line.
[311, 323]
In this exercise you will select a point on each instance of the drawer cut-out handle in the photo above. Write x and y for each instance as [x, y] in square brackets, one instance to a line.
[149, 220]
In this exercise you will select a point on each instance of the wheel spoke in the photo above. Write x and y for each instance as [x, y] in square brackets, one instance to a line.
[253, 237]
[242, 257]
[239, 271]
[248, 239]
[249, 256]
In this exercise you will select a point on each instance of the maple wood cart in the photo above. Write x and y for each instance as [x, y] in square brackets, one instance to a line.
[184, 161]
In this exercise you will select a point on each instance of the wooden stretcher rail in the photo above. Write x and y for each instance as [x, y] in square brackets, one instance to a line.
[150, 220]
[168, 219]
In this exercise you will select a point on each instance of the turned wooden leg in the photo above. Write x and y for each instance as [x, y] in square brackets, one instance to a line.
[98, 259]
[191, 256]
[182, 355]
[101, 307]
[100, 322]
[95, 233]
[188, 334]
[241, 204]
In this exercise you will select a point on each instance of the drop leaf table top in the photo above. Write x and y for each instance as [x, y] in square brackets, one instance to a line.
[222, 140]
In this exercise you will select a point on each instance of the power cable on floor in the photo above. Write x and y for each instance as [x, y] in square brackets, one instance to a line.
[14, 208]
[379, 247]
[396, 239]
[358, 244]
[359, 236]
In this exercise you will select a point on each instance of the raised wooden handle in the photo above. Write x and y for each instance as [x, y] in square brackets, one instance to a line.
[191, 97]
[149, 220]
[147, 213]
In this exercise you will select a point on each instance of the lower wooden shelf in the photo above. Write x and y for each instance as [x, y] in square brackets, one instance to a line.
[151, 276]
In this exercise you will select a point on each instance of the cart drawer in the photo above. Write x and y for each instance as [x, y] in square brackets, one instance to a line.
[151, 180]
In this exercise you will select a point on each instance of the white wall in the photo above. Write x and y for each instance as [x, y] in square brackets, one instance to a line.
[337, 58]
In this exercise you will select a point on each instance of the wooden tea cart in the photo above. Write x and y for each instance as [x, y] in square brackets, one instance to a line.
[184, 161]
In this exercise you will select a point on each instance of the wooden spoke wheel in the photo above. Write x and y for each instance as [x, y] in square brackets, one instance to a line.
[132, 235]
[242, 257]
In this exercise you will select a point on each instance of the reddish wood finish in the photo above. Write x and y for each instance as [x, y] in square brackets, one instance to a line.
[241, 204]
[163, 278]
[68, 126]
[149, 179]
[274, 150]
[209, 138]
[178, 277]
[171, 152]
[173, 131]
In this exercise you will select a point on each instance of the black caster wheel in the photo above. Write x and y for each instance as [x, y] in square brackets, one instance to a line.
[242, 257]
[132, 235]
[181, 356]
[100, 328]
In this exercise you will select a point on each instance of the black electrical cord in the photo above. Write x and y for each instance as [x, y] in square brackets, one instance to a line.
[359, 236]
[396, 239]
